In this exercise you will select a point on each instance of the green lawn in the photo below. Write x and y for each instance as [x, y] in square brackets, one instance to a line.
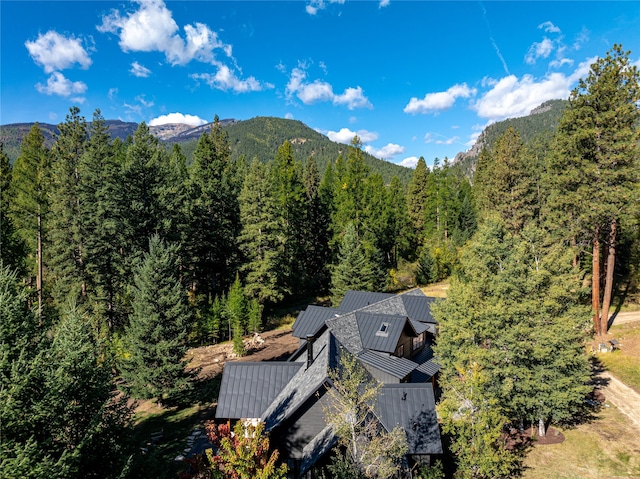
[625, 363]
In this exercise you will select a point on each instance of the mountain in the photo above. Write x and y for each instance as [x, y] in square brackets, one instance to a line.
[258, 137]
[542, 119]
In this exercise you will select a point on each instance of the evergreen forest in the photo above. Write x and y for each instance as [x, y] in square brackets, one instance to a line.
[117, 255]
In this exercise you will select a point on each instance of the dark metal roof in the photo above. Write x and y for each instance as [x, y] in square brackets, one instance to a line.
[393, 365]
[317, 448]
[371, 334]
[418, 307]
[354, 300]
[431, 367]
[424, 355]
[312, 320]
[247, 389]
[419, 327]
[412, 407]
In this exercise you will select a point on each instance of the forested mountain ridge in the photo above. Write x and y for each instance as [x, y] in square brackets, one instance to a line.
[258, 138]
[544, 118]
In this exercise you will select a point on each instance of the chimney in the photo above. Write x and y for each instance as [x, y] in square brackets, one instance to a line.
[310, 340]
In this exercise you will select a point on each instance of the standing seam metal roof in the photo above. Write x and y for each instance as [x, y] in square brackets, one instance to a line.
[312, 320]
[412, 407]
[248, 388]
[370, 325]
[393, 365]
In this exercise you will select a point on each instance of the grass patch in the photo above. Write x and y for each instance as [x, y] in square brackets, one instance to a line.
[605, 447]
[625, 362]
[176, 424]
[439, 290]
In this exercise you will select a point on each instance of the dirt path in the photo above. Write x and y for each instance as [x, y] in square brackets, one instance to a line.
[627, 317]
[622, 397]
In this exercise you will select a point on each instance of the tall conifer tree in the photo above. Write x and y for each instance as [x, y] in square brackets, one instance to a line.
[157, 331]
[594, 168]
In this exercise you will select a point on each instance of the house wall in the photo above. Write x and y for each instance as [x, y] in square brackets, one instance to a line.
[383, 376]
[405, 340]
[295, 433]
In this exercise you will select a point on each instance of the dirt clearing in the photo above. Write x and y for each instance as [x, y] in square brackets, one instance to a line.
[275, 345]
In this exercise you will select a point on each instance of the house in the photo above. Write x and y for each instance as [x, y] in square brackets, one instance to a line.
[390, 334]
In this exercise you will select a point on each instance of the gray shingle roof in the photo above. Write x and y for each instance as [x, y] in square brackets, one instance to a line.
[358, 299]
[247, 389]
[304, 383]
[345, 329]
[312, 320]
[393, 365]
[371, 334]
[412, 407]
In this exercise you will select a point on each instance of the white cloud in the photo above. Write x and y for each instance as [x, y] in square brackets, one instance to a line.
[436, 102]
[353, 98]
[581, 38]
[152, 28]
[345, 135]
[386, 152]
[289, 116]
[539, 50]
[384, 3]
[112, 93]
[178, 118]
[512, 97]
[57, 84]
[549, 27]
[439, 139]
[560, 62]
[409, 162]
[315, 5]
[56, 52]
[139, 70]
[321, 91]
[225, 79]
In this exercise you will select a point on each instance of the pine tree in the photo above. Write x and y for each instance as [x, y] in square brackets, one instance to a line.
[83, 418]
[214, 215]
[355, 268]
[12, 249]
[139, 192]
[594, 165]
[291, 204]
[504, 182]
[29, 205]
[416, 201]
[316, 234]
[260, 236]
[157, 331]
[67, 250]
[99, 199]
[515, 309]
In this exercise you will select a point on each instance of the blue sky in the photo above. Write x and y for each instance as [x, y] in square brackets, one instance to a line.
[411, 78]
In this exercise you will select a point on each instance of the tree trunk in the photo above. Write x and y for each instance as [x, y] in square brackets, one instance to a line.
[595, 280]
[542, 431]
[39, 265]
[608, 287]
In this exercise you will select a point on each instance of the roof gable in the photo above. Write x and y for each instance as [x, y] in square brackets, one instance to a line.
[304, 383]
[418, 307]
[312, 320]
[380, 332]
[358, 299]
[248, 388]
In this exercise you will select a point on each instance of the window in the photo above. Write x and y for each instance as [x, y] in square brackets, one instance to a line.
[384, 330]
[417, 342]
[400, 350]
